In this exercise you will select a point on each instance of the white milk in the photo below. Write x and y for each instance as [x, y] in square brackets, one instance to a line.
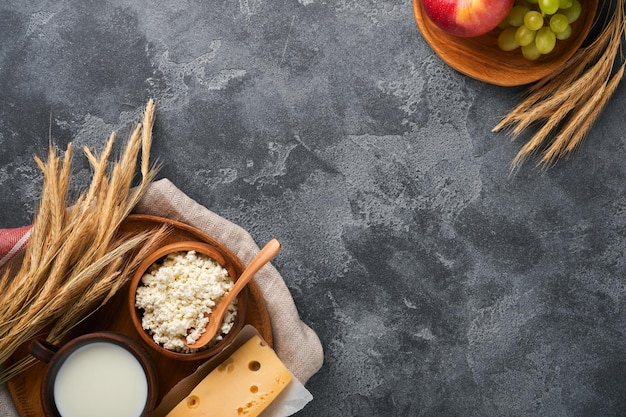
[101, 380]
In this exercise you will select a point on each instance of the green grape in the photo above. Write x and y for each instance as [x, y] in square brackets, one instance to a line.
[549, 6]
[565, 34]
[558, 23]
[537, 25]
[572, 13]
[516, 15]
[530, 51]
[545, 40]
[524, 36]
[533, 20]
[506, 39]
[504, 24]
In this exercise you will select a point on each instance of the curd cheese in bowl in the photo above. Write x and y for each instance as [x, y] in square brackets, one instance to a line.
[173, 293]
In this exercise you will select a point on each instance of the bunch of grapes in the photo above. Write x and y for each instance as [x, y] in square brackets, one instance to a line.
[536, 25]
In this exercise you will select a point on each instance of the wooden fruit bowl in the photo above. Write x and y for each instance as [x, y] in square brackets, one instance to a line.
[481, 59]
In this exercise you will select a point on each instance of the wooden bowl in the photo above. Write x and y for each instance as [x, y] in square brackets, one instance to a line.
[224, 259]
[481, 58]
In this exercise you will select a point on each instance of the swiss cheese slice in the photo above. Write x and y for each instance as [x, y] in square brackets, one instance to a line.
[242, 386]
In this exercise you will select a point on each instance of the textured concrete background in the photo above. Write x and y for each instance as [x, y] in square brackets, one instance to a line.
[438, 285]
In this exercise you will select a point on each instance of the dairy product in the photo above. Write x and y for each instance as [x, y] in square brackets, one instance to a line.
[243, 385]
[101, 379]
[175, 295]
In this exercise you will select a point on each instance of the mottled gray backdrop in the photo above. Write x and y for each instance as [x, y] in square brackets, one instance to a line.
[438, 284]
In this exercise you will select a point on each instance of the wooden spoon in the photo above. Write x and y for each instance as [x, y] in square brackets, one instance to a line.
[265, 255]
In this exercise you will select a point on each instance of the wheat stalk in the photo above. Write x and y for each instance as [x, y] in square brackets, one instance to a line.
[572, 135]
[76, 260]
[95, 296]
[566, 104]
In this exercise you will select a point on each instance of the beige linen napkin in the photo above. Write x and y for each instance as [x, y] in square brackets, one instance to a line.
[296, 344]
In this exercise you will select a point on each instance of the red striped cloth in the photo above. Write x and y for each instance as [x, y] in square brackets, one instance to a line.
[12, 241]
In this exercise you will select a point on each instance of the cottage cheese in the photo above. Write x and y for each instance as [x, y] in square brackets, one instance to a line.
[175, 295]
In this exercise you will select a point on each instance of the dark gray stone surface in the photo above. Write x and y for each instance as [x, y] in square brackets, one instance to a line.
[439, 285]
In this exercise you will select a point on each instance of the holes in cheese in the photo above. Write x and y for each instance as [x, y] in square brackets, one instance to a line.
[193, 401]
[243, 385]
[254, 366]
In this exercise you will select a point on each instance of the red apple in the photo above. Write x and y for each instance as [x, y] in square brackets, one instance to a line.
[467, 18]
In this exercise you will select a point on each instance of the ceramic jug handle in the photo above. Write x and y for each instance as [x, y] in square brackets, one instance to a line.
[42, 350]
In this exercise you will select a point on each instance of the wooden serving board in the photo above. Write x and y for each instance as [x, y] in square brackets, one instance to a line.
[114, 316]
